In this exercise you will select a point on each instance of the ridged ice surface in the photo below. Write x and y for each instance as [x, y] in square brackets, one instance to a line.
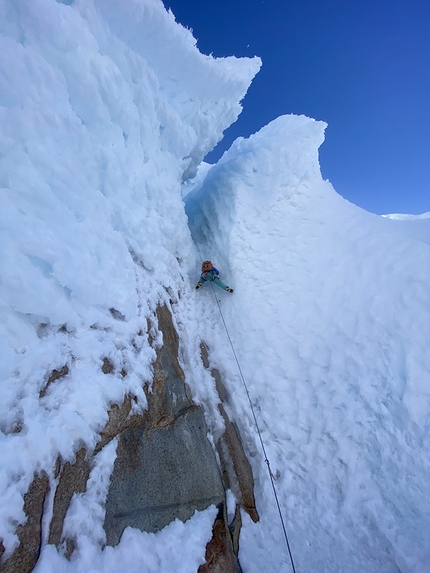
[106, 110]
[330, 323]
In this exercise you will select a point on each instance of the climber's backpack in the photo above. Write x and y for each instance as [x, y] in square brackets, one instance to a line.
[206, 266]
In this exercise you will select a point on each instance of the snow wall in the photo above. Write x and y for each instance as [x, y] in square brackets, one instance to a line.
[331, 326]
[107, 108]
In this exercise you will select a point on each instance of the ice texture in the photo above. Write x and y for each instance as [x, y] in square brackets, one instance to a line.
[330, 321]
[107, 110]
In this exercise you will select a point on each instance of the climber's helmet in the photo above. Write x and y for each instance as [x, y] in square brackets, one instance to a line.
[206, 266]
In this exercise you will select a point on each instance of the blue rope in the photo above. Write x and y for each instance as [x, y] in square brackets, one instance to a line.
[259, 433]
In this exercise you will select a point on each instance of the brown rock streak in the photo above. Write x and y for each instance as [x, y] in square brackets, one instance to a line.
[25, 556]
[219, 556]
[73, 479]
[237, 475]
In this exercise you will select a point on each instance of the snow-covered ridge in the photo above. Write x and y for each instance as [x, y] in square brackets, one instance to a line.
[332, 329]
[406, 217]
[205, 91]
[413, 225]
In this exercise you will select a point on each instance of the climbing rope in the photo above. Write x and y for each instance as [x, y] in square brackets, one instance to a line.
[259, 433]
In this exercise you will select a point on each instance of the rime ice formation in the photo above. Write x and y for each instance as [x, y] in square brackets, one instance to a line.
[331, 324]
[107, 110]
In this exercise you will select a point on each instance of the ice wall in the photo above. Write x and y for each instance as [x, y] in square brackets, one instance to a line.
[104, 108]
[101, 117]
[330, 320]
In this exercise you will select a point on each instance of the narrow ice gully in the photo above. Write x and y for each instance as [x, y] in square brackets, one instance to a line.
[107, 111]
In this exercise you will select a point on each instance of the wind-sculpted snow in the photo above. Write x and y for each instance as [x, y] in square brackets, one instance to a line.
[104, 108]
[417, 226]
[330, 321]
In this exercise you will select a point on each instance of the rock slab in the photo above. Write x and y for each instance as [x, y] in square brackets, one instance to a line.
[165, 468]
[159, 476]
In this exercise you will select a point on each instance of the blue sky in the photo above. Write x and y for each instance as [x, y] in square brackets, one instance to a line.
[362, 66]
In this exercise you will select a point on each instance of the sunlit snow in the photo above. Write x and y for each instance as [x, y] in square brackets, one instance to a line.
[107, 110]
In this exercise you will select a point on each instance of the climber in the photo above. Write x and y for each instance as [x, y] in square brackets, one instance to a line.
[210, 273]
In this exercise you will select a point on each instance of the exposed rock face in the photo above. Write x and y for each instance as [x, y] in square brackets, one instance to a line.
[220, 556]
[73, 479]
[231, 449]
[222, 550]
[25, 556]
[161, 476]
[165, 469]
[237, 471]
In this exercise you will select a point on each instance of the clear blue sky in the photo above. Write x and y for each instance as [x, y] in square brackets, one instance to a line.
[363, 66]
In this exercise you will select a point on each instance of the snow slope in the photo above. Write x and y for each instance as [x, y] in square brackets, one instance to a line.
[105, 109]
[330, 320]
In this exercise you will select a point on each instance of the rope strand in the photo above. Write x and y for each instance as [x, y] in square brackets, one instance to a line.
[259, 433]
